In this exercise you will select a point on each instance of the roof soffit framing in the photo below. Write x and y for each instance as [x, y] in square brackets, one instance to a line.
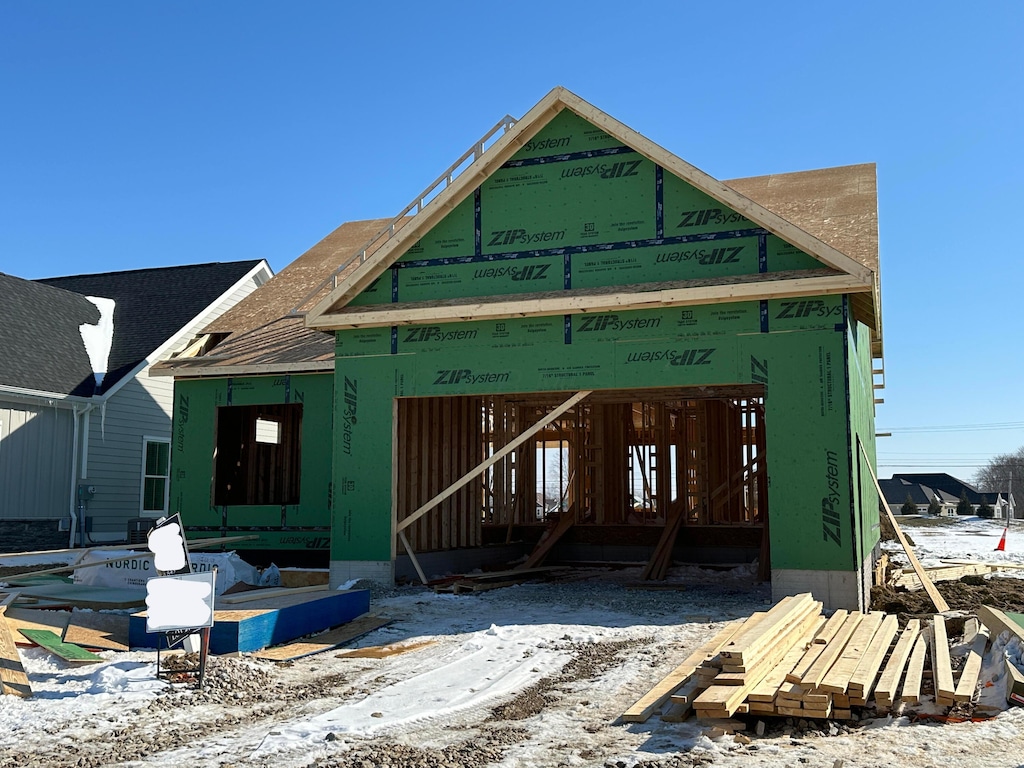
[326, 315]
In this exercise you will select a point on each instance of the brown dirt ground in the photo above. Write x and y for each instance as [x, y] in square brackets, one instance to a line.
[964, 595]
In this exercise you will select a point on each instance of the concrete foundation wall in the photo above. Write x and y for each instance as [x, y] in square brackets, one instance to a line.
[836, 589]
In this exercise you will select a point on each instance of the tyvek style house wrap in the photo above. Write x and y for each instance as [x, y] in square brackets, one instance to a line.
[734, 327]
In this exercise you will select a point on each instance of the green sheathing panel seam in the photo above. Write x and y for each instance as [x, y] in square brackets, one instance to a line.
[305, 525]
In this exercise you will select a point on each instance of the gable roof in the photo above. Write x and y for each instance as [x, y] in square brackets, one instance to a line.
[948, 484]
[151, 306]
[841, 273]
[897, 491]
[41, 348]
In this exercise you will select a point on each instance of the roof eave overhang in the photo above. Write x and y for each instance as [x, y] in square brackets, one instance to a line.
[55, 399]
[240, 369]
[773, 286]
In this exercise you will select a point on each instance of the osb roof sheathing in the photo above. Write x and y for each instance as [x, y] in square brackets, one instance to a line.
[289, 287]
[839, 206]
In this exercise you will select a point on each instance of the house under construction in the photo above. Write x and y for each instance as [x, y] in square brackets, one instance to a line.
[573, 337]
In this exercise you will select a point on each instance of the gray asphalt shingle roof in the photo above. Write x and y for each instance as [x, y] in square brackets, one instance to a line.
[151, 305]
[40, 346]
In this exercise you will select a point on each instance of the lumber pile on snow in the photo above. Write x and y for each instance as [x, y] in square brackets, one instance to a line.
[793, 661]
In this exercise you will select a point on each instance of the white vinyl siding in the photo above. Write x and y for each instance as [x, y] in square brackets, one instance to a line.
[140, 409]
[35, 461]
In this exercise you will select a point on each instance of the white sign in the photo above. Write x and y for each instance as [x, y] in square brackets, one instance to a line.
[180, 602]
[168, 545]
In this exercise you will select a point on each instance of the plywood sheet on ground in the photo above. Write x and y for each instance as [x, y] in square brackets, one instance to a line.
[325, 641]
[30, 618]
[105, 631]
[13, 680]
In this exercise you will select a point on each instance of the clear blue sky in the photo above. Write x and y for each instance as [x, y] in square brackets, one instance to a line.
[136, 134]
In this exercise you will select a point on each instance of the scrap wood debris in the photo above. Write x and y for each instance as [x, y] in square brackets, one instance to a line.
[792, 661]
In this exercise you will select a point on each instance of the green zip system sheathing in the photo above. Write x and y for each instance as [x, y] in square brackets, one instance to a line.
[573, 209]
[289, 523]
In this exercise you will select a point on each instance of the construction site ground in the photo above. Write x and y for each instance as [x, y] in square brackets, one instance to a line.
[530, 675]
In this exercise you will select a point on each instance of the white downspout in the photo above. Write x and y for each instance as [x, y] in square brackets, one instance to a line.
[74, 478]
[84, 414]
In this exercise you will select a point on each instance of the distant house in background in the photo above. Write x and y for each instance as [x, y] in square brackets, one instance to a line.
[84, 430]
[923, 486]
[898, 491]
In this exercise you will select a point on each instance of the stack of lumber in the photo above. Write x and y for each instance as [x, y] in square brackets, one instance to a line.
[909, 580]
[793, 661]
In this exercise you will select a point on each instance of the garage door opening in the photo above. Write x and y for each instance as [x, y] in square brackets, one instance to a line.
[654, 476]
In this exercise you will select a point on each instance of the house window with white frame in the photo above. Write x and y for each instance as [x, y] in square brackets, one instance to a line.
[156, 475]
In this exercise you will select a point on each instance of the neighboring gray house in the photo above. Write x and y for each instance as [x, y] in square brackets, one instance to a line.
[897, 491]
[922, 486]
[84, 429]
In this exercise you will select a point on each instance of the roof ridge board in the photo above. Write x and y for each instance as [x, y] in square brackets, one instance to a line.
[532, 122]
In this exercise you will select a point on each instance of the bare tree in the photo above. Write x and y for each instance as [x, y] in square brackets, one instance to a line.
[997, 474]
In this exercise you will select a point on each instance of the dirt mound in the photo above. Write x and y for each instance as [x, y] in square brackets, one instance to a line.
[964, 595]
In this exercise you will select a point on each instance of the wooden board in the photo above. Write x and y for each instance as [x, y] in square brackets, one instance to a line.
[889, 682]
[384, 651]
[731, 697]
[968, 683]
[837, 679]
[911, 582]
[105, 631]
[863, 679]
[304, 577]
[816, 673]
[998, 622]
[267, 592]
[13, 679]
[325, 641]
[832, 626]
[549, 538]
[33, 618]
[942, 672]
[911, 692]
[938, 600]
[67, 651]
[647, 704]
[768, 688]
[752, 673]
[782, 615]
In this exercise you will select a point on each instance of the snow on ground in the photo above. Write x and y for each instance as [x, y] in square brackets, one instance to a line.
[534, 675]
[963, 538]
